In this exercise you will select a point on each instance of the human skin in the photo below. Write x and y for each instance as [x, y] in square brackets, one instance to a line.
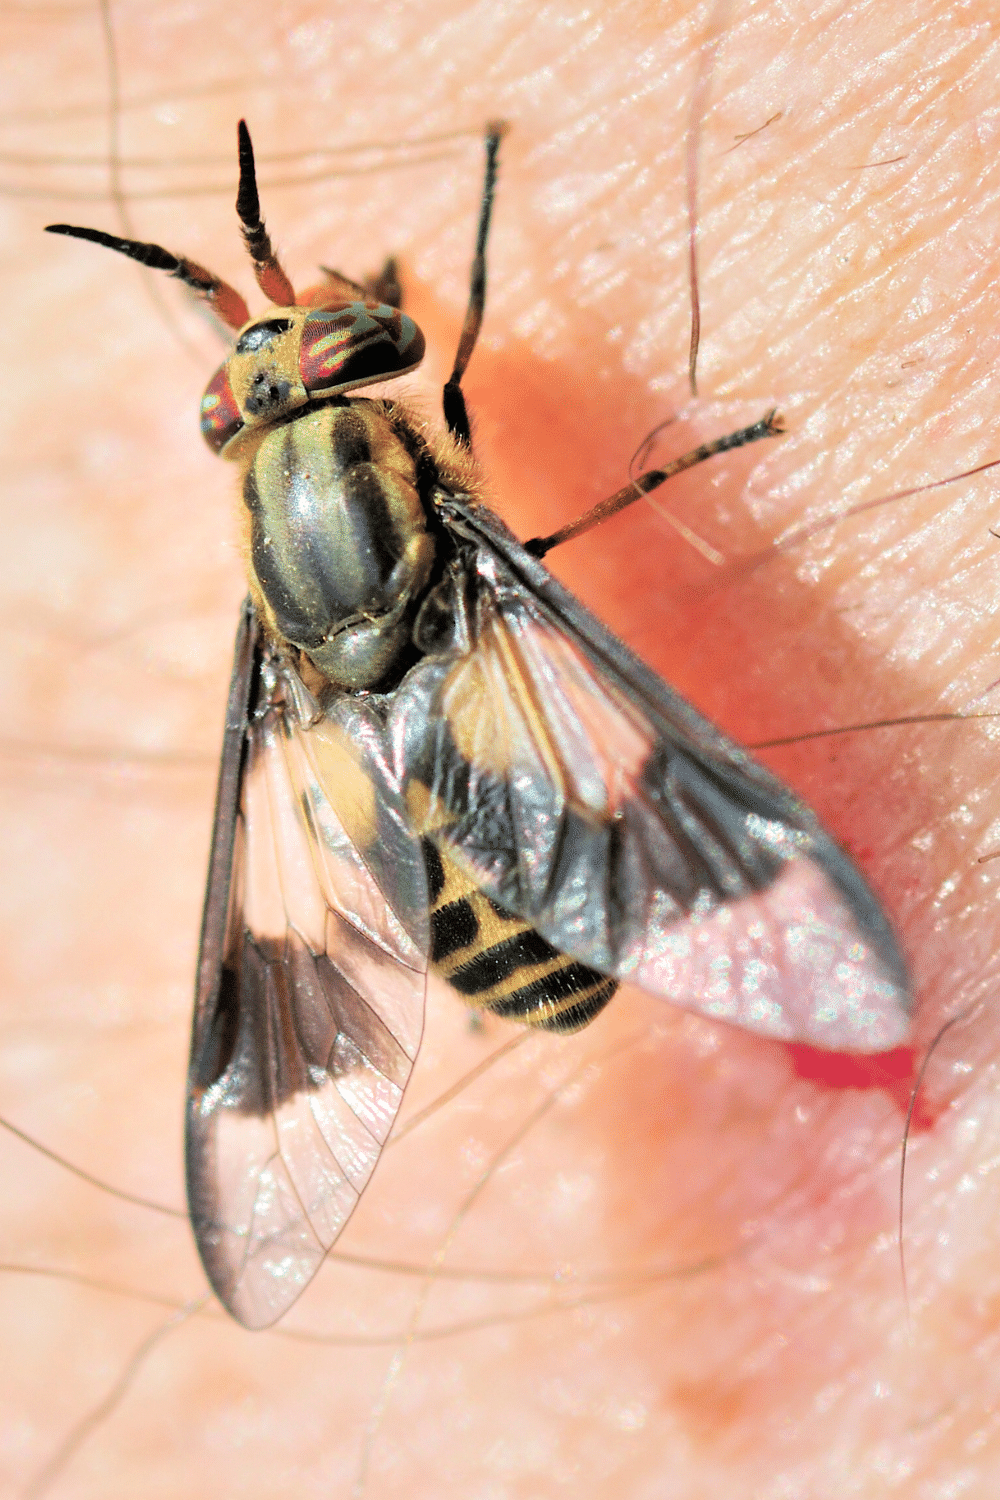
[722, 1209]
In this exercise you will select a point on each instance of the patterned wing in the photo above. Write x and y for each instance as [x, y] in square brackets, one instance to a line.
[569, 786]
[311, 985]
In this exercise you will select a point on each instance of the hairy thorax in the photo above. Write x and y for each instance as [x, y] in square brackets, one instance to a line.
[339, 549]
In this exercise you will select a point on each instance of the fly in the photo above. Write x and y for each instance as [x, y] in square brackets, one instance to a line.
[435, 759]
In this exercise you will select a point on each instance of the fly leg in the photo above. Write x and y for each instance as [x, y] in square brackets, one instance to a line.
[455, 413]
[770, 425]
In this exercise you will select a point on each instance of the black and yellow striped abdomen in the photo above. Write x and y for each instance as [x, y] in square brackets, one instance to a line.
[498, 962]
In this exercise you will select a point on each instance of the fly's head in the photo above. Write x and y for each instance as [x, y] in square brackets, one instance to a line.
[307, 349]
[285, 360]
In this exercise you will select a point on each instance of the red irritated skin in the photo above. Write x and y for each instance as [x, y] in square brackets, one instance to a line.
[848, 258]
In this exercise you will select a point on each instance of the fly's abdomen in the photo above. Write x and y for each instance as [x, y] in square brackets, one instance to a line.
[498, 962]
[339, 547]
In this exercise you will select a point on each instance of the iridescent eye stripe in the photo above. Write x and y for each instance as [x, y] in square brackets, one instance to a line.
[220, 415]
[357, 343]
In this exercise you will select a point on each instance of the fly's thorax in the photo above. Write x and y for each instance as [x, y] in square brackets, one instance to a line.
[300, 354]
[338, 549]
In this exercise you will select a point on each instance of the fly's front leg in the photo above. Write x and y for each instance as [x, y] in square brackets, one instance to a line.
[381, 286]
[385, 284]
[455, 413]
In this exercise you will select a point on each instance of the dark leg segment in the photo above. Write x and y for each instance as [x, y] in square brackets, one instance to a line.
[455, 413]
[380, 286]
[385, 286]
[769, 426]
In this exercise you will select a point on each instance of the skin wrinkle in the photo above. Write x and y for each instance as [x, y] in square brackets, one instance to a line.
[864, 304]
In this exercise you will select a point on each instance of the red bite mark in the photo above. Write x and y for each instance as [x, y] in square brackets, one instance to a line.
[894, 1072]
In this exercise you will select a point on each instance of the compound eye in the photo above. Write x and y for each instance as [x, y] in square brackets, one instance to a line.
[220, 415]
[261, 334]
[356, 344]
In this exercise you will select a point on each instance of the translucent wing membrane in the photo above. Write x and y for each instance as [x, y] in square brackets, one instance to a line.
[576, 790]
[309, 1017]
[536, 814]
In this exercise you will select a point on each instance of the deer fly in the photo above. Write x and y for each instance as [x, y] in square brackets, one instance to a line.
[435, 759]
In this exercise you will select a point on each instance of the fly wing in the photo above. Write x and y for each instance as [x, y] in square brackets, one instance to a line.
[579, 792]
[311, 985]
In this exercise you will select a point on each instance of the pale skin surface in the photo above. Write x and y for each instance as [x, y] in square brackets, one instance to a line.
[862, 300]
